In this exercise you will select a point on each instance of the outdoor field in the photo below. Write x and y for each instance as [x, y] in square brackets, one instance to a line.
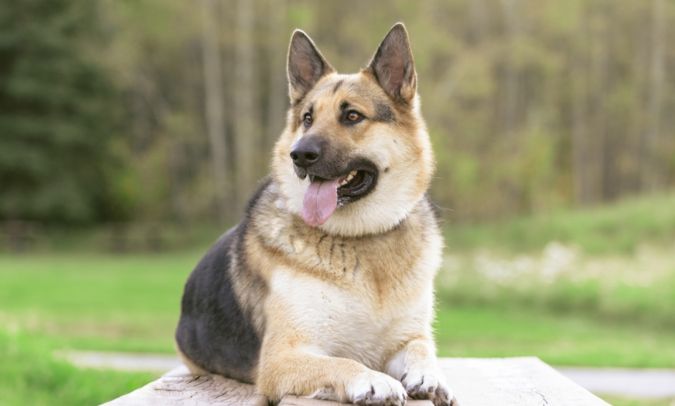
[585, 288]
[133, 134]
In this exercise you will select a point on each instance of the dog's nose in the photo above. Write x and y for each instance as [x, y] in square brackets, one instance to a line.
[306, 152]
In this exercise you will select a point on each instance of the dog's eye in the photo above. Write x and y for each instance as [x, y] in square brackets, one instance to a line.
[353, 116]
[307, 120]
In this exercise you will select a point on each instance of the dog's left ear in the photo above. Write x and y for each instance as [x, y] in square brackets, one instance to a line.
[393, 66]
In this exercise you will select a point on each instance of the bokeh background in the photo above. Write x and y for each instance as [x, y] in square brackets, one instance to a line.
[132, 133]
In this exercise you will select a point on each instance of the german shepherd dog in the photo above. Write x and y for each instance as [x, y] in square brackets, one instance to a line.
[325, 288]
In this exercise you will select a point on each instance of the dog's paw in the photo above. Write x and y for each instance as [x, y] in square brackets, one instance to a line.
[428, 384]
[376, 388]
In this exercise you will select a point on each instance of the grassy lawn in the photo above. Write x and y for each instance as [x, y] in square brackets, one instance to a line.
[557, 339]
[96, 302]
[131, 304]
[29, 375]
[599, 296]
[638, 402]
[617, 228]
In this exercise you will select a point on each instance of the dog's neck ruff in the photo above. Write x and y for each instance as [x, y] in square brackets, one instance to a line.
[315, 250]
[275, 205]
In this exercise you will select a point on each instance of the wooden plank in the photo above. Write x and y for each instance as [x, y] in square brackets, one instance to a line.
[178, 387]
[523, 381]
[296, 401]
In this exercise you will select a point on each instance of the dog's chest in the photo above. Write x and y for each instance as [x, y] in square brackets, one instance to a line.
[359, 298]
[351, 320]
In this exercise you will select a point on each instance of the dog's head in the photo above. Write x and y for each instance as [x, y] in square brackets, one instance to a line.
[355, 157]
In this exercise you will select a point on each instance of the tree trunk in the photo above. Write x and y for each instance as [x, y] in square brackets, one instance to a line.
[214, 104]
[277, 95]
[509, 106]
[580, 117]
[650, 171]
[479, 20]
[599, 41]
[246, 113]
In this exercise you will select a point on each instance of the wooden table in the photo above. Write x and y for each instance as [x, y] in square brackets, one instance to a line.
[475, 381]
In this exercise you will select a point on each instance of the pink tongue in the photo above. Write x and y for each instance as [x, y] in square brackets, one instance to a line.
[320, 202]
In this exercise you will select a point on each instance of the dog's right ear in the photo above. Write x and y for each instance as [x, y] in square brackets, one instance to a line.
[305, 67]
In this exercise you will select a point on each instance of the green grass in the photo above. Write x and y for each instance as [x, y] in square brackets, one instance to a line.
[618, 228]
[613, 304]
[96, 301]
[616, 401]
[29, 375]
[132, 303]
[558, 340]
[630, 289]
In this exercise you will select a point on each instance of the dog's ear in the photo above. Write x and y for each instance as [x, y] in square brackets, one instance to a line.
[393, 66]
[305, 67]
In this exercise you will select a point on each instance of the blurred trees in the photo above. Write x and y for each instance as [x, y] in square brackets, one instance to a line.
[530, 104]
[58, 116]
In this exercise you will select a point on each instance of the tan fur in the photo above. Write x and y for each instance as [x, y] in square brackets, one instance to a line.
[349, 304]
[340, 306]
[402, 148]
[386, 274]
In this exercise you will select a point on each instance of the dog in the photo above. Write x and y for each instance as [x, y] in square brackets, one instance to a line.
[325, 288]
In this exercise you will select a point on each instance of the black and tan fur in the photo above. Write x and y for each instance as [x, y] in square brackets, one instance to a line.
[341, 310]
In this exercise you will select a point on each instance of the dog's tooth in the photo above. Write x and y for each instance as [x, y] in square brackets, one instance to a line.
[348, 178]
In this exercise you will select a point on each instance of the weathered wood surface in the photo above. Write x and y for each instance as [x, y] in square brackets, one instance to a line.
[296, 401]
[513, 381]
[523, 381]
[178, 387]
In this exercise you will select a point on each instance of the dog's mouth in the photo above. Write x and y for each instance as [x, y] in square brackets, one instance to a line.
[353, 186]
[325, 194]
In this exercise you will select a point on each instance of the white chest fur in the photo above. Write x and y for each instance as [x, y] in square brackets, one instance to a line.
[349, 321]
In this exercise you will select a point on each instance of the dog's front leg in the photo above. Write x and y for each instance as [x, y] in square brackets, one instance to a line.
[304, 371]
[417, 368]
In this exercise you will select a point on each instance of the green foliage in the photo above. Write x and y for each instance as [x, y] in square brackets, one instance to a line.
[531, 106]
[58, 115]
